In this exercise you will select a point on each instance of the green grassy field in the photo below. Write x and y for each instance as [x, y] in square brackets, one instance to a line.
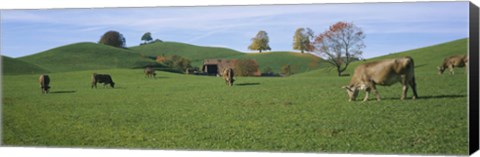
[304, 113]
[257, 114]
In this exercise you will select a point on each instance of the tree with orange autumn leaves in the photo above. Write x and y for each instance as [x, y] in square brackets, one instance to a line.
[340, 45]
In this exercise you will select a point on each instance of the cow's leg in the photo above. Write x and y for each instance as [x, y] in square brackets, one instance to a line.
[404, 91]
[413, 84]
[366, 95]
[367, 92]
[376, 92]
[404, 87]
[450, 67]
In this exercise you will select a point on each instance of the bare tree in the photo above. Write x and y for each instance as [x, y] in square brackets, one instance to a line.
[340, 45]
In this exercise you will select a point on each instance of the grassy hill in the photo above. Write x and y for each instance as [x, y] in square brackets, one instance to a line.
[15, 66]
[196, 54]
[85, 56]
[426, 59]
[91, 56]
[274, 60]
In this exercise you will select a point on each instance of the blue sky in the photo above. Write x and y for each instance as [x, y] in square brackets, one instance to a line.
[389, 27]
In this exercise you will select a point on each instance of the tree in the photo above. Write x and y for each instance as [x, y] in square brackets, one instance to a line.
[302, 39]
[113, 38]
[147, 37]
[260, 42]
[340, 45]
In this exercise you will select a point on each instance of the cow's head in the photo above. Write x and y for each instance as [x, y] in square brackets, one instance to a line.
[352, 92]
[441, 69]
[112, 85]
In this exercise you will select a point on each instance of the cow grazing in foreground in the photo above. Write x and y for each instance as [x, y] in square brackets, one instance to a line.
[384, 73]
[44, 81]
[452, 62]
[102, 78]
[150, 72]
[228, 76]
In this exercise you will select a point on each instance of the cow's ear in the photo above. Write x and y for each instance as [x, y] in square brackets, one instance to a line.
[347, 87]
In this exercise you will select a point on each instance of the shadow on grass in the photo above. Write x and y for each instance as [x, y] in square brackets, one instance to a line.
[62, 92]
[157, 77]
[441, 96]
[247, 84]
[422, 97]
[421, 65]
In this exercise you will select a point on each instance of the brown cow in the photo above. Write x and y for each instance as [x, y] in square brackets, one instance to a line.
[453, 61]
[384, 73]
[150, 72]
[44, 81]
[228, 76]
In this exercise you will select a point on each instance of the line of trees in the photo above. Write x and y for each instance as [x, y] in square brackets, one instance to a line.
[339, 45]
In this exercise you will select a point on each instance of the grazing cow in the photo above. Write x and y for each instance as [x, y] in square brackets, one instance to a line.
[102, 78]
[384, 73]
[150, 72]
[451, 62]
[44, 83]
[228, 76]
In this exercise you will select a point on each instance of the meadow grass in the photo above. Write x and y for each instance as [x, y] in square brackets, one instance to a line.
[186, 112]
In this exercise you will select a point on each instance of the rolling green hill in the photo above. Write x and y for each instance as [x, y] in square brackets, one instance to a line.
[91, 56]
[15, 66]
[85, 56]
[196, 54]
[426, 59]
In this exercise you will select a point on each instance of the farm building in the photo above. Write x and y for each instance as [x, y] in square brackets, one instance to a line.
[216, 66]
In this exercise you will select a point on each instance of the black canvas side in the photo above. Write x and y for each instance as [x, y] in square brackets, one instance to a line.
[473, 79]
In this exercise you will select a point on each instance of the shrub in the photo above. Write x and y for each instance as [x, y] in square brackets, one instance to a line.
[177, 63]
[246, 67]
[286, 70]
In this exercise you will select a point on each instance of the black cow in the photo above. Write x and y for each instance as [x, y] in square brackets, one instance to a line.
[44, 81]
[102, 78]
